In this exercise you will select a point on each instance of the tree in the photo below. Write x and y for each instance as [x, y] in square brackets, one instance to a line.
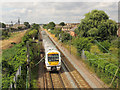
[35, 26]
[107, 29]
[51, 25]
[27, 24]
[44, 26]
[83, 44]
[97, 24]
[62, 24]
[92, 32]
[2, 25]
[57, 31]
[19, 28]
[32, 33]
[65, 37]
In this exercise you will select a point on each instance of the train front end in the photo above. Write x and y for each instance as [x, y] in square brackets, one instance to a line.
[53, 60]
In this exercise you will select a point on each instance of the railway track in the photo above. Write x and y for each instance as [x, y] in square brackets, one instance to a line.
[77, 78]
[75, 75]
[72, 77]
[56, 80]
[52, 80]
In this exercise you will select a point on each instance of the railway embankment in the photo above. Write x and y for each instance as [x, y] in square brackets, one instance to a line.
[90, 77]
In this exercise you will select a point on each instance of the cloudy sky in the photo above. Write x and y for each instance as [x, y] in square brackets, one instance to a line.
[44, 12]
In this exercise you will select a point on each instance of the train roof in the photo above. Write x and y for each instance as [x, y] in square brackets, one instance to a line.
[47, 43]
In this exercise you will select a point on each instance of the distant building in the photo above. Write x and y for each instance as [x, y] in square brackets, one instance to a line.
[66, 28]
[57, 26]
[69, 28]
[72, 24]
[72, 33]
[18, 25]
[8, 25]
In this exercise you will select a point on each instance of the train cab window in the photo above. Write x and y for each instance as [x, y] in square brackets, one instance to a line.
[53, 57]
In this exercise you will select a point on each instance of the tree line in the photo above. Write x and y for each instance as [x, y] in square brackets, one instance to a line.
[95, 26]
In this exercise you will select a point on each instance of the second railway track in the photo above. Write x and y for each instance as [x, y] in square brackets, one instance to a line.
[77, 78]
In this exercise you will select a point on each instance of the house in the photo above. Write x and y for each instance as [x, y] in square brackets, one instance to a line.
[66, 28]
[72, 33]
[18, 25]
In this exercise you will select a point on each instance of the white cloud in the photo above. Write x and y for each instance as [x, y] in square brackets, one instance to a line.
[60, 1]
[23, 10]
[43, 12]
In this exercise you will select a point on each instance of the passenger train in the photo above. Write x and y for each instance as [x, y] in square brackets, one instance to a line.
[52, 55]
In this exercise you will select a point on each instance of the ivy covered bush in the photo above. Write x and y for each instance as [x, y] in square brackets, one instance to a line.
[104, 69]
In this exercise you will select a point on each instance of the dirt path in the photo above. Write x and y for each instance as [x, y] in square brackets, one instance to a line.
[16, 38]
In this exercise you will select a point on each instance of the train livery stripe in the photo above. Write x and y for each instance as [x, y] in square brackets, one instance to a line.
[53, 53]
[53, 63]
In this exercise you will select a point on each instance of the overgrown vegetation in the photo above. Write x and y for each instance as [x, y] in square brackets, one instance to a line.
[5, 34]
[104, 46]
[103, 68]
[50, 26]
[18, 57]
[11, 62]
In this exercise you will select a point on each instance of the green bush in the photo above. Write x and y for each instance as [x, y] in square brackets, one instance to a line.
[65, 37]
[82, 43]
[29, 35]
[104, 46]
[103, 68]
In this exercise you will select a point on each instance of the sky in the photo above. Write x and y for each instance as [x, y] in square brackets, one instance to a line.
[45, 12]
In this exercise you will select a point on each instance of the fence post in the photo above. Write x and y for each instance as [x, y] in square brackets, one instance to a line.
[83, 55]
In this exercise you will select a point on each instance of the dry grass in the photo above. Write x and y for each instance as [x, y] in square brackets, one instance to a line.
[14, 38]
